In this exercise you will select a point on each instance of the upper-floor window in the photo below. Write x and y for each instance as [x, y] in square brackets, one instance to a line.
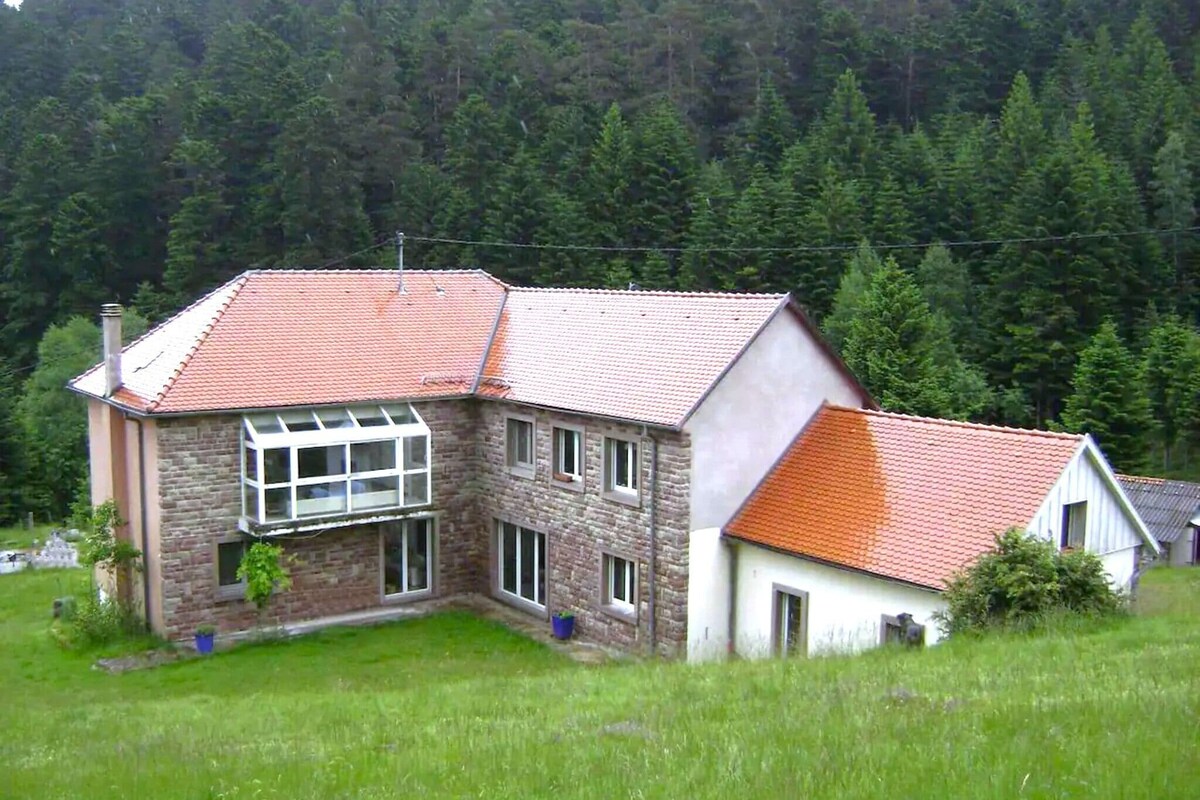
[1074, 525]
[518, 448]
[621, 466]
[311, 463]
[568, 455]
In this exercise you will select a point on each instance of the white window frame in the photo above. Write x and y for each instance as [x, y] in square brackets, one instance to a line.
[407, 528]
[618, 571]
[630, 490]
[524, 537]
[333, 427]
[516, 467]
[228, 591]
[1074, 535]
[780, 619]
[558, 437]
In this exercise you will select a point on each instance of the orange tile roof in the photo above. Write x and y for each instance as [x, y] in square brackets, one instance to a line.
[642, 355]
[908, 498]
[313, 337]
[303, 337]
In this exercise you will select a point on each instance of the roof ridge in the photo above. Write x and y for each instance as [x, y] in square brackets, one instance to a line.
[379, 269]
[241, 281]
[643, 292]
[956, 423]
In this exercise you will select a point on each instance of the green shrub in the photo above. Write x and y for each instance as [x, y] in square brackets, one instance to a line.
[1024, 581]
[92, 622]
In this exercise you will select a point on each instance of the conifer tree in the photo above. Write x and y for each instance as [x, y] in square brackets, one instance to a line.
[856, 280]
[515, 213]
[1109, 400]
[891, 347]
[708, 228]
[1169, 363]
[663, 176]
[1174, 209]
[770, 129]
[196, 257]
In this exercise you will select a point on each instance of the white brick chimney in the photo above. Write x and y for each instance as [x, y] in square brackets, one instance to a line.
[110, 319]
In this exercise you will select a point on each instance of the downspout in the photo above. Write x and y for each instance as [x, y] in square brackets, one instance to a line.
[652, 626]
[142, 518]
[731, 642]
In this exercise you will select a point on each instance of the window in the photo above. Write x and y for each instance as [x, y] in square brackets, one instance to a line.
[568, 455]
[1074, 525]
[521, 563]
[790, 631]
[621, 467]
[302, 463]
[519, 445]
[901, 629]
[407, 557]
[229, 558]
[620, 584]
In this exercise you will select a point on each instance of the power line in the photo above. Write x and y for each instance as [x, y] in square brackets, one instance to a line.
[383, 241]
[823, 248]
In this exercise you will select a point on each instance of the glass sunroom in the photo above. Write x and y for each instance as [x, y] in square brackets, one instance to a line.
[300, 464]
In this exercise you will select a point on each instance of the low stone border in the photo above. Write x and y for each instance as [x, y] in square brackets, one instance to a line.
[576, 648]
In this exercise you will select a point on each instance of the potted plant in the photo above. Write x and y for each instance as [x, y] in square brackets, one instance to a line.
[562, 624]
[205, 637]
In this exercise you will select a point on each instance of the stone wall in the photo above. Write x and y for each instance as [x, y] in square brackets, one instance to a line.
[582, 525]
[338, 570]
[335, 572]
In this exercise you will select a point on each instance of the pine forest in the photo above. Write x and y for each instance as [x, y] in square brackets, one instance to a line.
[988, 206]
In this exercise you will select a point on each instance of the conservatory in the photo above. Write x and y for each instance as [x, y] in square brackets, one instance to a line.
[302, 464]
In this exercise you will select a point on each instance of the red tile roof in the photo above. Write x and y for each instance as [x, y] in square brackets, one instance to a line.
[647, 356]
[304, 337]
[298, 337]
[908, 498]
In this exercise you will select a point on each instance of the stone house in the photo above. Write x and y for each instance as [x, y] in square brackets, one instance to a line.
[437, 433]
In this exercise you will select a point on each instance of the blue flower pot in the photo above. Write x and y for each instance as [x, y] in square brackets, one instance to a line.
[562, 627]
[204, 642]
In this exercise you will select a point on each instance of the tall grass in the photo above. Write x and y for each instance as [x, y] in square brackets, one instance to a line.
[452, 706]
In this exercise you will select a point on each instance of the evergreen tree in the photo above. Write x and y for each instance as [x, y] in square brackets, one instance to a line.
[316, 203]
[770, 129]
[609, 190]
[703, 267]
[947, 286]
[474, 155]
[664, 172]
[753, 226]
[1169, 363]
[856, 280]
[1174, 209]
[1022, 135]
[830, 218]
[77, 241]
[515, 213]
[891, 347]
[1109, 400]
[195, 244]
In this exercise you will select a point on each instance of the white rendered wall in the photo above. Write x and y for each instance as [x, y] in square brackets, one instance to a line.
[1183, 548]
[754, 413]
[708, 596]
[845, 608]
[1110, 533]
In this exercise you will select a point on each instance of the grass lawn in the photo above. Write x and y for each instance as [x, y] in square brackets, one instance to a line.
[22, 538]
[453, 706]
